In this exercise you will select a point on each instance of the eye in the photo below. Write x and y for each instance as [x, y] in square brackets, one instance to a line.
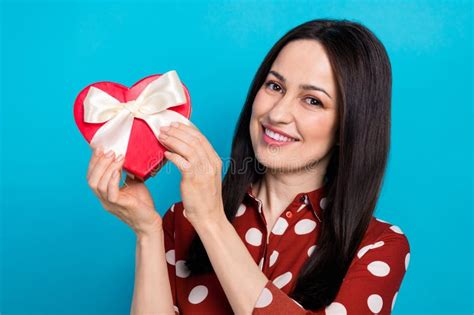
[273, 86]
[313, 101]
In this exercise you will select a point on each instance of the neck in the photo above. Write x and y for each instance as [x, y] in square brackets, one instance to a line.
[277, 190]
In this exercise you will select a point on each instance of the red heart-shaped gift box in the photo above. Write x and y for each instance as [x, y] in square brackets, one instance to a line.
[145, 154]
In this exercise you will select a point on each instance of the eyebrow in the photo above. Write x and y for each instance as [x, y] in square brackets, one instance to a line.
[303, 86]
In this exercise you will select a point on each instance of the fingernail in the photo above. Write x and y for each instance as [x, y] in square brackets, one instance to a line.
[119, 158]
[109, 153]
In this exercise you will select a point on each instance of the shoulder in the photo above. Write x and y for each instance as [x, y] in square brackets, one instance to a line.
[383, 229]
[387, 236]
[379, 264]
[379, 228]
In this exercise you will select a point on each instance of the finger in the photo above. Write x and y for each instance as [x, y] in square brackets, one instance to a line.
[181, 163]
[103, 184]
[192, 139]
[175, 129]
[203, 141]
[99, 169]
[175, 144]
[96, 154]
[113, 188]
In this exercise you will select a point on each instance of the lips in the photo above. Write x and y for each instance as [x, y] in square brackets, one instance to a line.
[278, 132]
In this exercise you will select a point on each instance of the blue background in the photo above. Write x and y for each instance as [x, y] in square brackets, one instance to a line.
[62, 253]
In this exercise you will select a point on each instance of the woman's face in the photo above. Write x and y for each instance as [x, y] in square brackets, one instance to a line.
[298, 98]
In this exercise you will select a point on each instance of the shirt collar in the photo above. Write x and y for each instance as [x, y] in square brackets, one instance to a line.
[315, 200]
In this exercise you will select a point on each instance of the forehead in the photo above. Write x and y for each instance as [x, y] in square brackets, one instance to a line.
[305, 62]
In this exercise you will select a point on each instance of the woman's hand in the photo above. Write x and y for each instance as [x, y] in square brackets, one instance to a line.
[200, 167]
[132, 203]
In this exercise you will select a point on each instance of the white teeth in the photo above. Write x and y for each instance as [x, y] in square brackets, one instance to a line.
[277, 136]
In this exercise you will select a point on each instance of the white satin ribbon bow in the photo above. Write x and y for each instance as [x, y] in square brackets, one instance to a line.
[151, 105]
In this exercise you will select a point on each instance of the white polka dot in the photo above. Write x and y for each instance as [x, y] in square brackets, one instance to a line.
[241, 210]
[379, 268]
[282, 280]
[311, 250]
[172, 208]
[182, 270]
[176, 308]
[365, 249]
[375, 303]
[305, 226]
[323, 203]
[380, 220]
[264, 299]
[198, 294]
[394, 299]
[336, 308]
[253, 237]
[273, 257]
[260, 264]
[396, 229]
[280, 226]
[378, 244]
[184, 213]
[297, 303]
[170, 258]
[407, 261]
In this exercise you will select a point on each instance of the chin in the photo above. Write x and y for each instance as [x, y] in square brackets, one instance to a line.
[275, 162]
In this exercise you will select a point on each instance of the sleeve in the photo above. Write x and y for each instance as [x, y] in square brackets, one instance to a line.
[370, 286]
[168, 230]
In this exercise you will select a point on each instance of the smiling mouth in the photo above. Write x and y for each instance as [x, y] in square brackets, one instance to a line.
[276, 136]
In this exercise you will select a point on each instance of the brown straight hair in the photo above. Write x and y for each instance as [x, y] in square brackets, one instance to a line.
[355, 171]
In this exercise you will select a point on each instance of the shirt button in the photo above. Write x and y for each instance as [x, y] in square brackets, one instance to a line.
[288, 214]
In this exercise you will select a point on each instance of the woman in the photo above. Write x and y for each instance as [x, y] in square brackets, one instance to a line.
[290, 229]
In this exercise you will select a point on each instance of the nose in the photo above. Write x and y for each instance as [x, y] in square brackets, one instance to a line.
[282, 111]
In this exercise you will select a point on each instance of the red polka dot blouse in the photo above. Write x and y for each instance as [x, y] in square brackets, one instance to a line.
[370, 286]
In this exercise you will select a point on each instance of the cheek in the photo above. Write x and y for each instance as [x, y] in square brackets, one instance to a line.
[261, 103]
[319, 130]
[258, 110]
